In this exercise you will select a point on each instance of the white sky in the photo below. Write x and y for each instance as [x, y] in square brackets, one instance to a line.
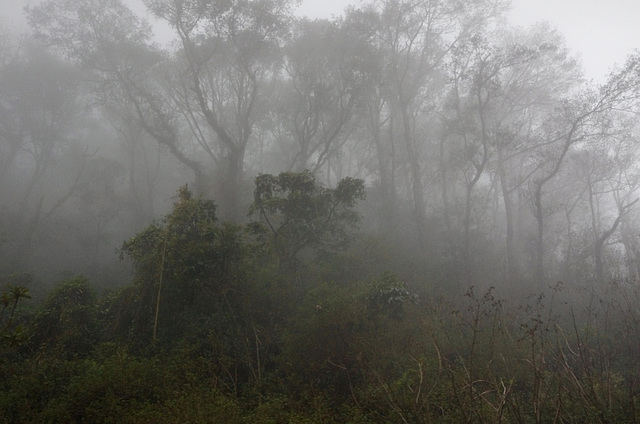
[603, 32]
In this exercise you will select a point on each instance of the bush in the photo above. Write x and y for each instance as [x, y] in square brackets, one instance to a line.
[66, 324]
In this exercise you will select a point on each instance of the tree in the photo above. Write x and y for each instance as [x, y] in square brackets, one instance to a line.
[297, 214]
[182, 264]
[11, 334]
[229, 58]
[475, 89]
[500, 86]
[415, 39]
[42, 99]
[203, 100]
[606, 169]
[374, 121]
[540, 73]
[113, 48]
[323, 82]
[67, 321]
[577, 119]
[143, 164]
[624, 185]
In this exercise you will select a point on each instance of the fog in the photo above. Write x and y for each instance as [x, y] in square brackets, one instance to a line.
[482, 147]
[229, 211]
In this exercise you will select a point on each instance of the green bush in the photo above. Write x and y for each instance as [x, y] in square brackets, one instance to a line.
[66, 324]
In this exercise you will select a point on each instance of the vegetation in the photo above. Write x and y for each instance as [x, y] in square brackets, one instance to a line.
[377, 212]
[210, 331]
[297, 214]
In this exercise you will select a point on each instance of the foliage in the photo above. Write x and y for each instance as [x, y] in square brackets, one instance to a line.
[475, 144]
[240, 343]
[183, 263]
[66, 324]
[337, 332]
[297, 214]
[12, 334]
[361, 352]
[389, 296]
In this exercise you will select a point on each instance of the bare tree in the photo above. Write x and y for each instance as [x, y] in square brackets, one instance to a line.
[415, 38]
[208, 91]
[229, 57]
[41, 101]
[578, 119]
[323, 83]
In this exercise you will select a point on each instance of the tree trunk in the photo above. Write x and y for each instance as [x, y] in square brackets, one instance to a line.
[232, 186]
[387, 191]
[417, 186]
[630, 252]
[512, 268]
[538, 213]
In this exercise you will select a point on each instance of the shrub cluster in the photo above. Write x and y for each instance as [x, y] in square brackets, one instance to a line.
[218, 326]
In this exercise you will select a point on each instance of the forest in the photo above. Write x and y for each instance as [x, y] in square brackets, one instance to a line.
[219, 211]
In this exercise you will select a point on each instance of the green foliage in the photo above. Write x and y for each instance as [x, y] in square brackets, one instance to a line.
[180, 250]
[317, 410]
[66, 324]
[297, 214]
[107, 390]
[279, 327]
[12, 334]
[242, 342]
[364, 352]
[27, 386]
[200, 406]
[183, 263]
[389, 295]
[339, 331]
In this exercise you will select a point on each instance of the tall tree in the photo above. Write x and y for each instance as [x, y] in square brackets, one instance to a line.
[534, 71]
[415, 39]
[605, 168]
[501, 85]
[113, 45]
[475, 88]
[578, 119]
[201, 101]
[323, 82]
[40, 107]
[229, 57]
[373, 118]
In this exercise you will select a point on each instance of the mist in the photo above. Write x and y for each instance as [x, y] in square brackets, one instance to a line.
[237, 179]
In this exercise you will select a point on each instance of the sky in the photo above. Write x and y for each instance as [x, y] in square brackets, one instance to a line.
[602, 32]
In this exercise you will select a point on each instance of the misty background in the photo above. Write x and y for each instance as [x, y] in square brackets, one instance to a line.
[264, 211]
[495, 147]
